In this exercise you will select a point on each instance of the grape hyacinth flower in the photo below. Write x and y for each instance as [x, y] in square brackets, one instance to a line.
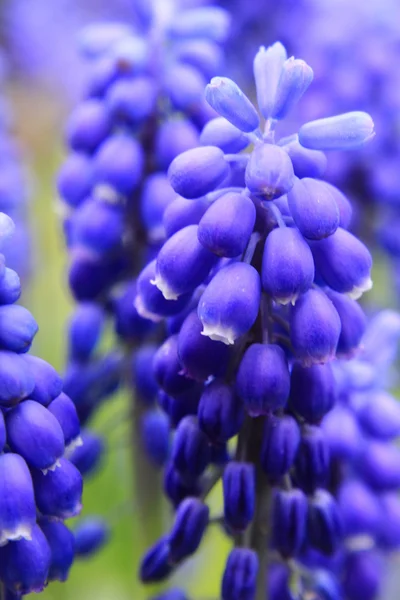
[278, 309]
[143, 105]
[38, 424]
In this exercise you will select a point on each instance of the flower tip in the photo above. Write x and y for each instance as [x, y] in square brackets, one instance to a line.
[359, 290]
[166, 291]
[218, 334]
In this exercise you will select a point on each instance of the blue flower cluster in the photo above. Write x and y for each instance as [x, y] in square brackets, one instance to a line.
[39, 428]
[143, 105]
[265, 273]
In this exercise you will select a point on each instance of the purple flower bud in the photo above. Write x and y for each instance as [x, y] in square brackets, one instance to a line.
[296, 76]
[226, 227]
[87, 455]
[119, 163]
[184, 85]
[177, 488]
[10, 287]
[383, 332]
[379, 465]
[88, 126]
[156, 195]
[342, 132]
[313, 208]
[130, 324]
[342, 433]
[155, 564]
[198, 171]
[182, 212]
[168, 369]
[209, 22]
[143, 378]
[61, 543]
[16, 381]
[359, 508]
[191, 521]
[315, 328]
[59, 492]
[379, 415]
[289, 521]
[97, 38]
[132, 100]
[17, 501]
[17, 328]
[389, 532]
[281, 440]
[35, 433]
[75, 178]
[269, 172]
[24, 565]
[267, 67]
[130, 54]
[353, 321]
[84, 330]
[90, 535]
[64, 411]
[200, 356]
[155, 434]
[173, 138]
[182, 264]
[191, 450]
[324, 524]
[306, 163]
[278, 582]
[313, 459]
[312, 391]
[48, 383]
[239, 495]
[240, 575]
[286, 274]
[225, 96]
[229, 305]
[204, 55]
[221, 133]
[344, 263]
[220, 412]
[363, 575]
[91, 275]
[263, 379]
[98, 226]
[150, 302]
[7, 229]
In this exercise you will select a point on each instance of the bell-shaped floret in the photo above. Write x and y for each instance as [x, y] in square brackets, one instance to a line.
[16, 381]
[229, 305]
[17, 328]
[25, 565]
[281, 439]
[269, 172]
[17, 500]
[198, 171]
[289, 521]
[313, 208]
[221, 133]
[239, 489]
[288, 265]
[312, 391]
[220, 412]
[267, 67]
[64, 411]
[61, 543]
[48, 383]
[315, 328]
[240, 575]
[182, 263]
[35, 434]
[263, 379]
[58, 493]
[324, 523]
[344, 263]
[296, 76]
[190, 524]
